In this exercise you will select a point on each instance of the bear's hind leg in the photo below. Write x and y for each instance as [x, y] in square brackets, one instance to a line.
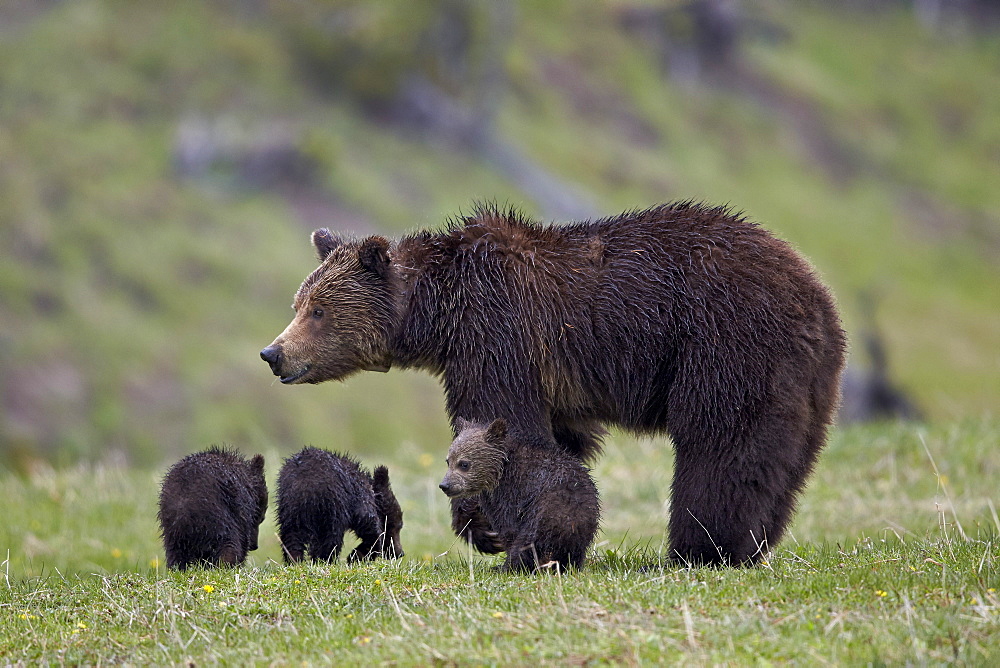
[293, 545]
[327, 546]
[815, 440]
[732, 497]
[715, 517]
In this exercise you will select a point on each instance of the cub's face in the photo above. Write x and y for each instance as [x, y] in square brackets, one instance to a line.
[475, 459]
[343, 314]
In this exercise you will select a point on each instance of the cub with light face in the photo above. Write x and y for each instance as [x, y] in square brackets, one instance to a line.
[541, 502]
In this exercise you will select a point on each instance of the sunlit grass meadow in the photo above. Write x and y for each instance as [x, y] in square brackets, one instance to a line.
[893, 558]
[134, 302]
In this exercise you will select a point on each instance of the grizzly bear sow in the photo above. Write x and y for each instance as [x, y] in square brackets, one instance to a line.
[541, 502]
[322, 494]
[680, 319]
[211, 507]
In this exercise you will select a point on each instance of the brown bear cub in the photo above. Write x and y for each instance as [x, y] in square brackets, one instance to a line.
[322, 494]
[211, 507]
[682, 320]
[542, 502]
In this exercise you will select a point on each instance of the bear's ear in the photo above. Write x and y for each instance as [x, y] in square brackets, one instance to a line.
[496, 433]
[380, 478]
[374, 255]
[257, 464]
[461, 424]
[325, 241]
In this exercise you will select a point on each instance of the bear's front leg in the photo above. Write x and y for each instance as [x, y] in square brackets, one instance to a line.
[468, 521]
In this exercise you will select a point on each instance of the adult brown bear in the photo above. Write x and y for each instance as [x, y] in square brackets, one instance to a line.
[680, 319]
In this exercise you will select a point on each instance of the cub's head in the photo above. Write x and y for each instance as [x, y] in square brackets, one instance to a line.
[476, 458]
[390, 518]
[343, 314]
[259, 491]
[389, 513]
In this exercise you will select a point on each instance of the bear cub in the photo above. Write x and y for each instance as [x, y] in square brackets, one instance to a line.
[541, 502]
[211, 506]
[321, 494]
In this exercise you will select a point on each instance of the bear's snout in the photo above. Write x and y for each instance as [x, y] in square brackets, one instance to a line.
[446, 488]
[272, 355]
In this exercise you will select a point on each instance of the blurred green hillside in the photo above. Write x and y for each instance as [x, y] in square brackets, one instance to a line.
[162, 166]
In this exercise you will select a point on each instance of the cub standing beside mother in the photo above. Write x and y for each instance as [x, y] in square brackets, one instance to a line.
[680, 319]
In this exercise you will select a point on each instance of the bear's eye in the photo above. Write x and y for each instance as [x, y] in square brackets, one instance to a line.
[464, 465]
[318, 313]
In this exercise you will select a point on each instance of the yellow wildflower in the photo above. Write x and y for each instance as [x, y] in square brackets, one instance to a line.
[208, 589]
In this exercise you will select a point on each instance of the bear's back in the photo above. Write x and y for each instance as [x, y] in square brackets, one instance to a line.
[212, 482]
[316, 481]
[603, 308]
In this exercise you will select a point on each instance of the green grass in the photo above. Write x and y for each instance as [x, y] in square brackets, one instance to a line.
[894, 557]
[922, 601]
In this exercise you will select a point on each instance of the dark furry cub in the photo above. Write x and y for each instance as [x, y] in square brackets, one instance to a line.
[541, 502]
[323, 494]
[682, 319]
[211, 506]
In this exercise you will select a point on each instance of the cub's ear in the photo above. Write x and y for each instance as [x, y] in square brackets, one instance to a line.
[461, 424]
[374, 255]
[325, 241]
[497, 431]
[257, 464]
[380, 478]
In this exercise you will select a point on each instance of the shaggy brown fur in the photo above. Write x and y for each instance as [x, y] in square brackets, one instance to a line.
[322, 494]
[680, 319]
[541, 502]
[211, 506]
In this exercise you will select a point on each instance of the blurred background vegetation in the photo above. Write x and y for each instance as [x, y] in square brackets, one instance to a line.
[163, 163]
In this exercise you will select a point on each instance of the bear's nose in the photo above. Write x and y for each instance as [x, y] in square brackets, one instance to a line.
[272, 355]
[445, 487]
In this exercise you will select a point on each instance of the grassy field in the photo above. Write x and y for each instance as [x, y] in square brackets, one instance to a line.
[894, 558]
[134, 301]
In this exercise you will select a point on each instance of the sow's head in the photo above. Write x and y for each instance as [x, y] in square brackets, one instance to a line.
[343, 314]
